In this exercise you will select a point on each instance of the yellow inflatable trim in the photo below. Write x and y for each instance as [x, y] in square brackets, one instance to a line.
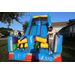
[39, 39]
[26, 45]
[44, 45]
[40, 16]
[23, 41]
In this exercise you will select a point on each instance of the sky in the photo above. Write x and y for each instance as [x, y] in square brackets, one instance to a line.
[55, 17]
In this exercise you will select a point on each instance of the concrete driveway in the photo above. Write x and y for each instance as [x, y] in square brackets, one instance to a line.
[3, 38]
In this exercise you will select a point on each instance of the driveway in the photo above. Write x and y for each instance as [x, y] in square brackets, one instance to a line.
[3, 38]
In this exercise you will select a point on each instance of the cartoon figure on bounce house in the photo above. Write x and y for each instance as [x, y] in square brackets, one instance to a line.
[35, 45]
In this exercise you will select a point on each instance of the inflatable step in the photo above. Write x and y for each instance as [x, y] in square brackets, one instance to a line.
[39, 39]
[23, 41]
[44, 45]
[44, 57]
[26, 45]
[20, 54]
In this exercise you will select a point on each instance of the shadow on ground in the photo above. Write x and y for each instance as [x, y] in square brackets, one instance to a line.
[68, 53]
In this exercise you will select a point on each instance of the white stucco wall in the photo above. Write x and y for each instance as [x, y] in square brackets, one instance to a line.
[11, 33]
[15, 33]
[22, 33]
[57, 28]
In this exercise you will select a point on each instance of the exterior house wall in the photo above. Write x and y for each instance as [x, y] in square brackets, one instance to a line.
[69, 31]
[66, 28]
[22, 33]
[72, 31]
[11, 33]
[73, 27]
[62, 31]
[15, 33]
[57, 28]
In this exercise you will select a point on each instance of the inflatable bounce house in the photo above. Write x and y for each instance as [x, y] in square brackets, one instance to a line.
[36, 46]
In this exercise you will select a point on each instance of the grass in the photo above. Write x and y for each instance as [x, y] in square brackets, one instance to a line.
[68, 52]
[4, 51]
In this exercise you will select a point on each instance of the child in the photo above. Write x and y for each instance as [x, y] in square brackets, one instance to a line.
[20, 37]
[50, 36]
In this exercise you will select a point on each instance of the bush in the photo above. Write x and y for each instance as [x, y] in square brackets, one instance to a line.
[4, 32]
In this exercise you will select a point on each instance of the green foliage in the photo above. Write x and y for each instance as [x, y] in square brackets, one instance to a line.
[9, 16]
[25, 25]
[2, 28]
[4, 32]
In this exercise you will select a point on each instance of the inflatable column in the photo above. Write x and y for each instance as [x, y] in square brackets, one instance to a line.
[29, 27]
[39, 28]
[58, 44]
[49, 20]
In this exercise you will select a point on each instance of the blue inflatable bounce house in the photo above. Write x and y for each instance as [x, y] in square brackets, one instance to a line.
[36, 46]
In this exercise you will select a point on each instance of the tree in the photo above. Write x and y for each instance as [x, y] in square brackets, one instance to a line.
[25, 25]
[2, 28]
[4, 32]
[8, 17]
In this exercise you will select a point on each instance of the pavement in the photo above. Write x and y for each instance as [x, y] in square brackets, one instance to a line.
[3, 38]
